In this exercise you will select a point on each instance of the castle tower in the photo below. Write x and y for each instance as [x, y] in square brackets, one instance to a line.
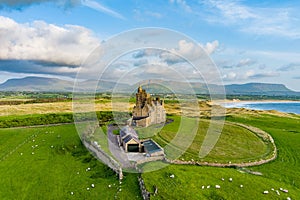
[147, 111]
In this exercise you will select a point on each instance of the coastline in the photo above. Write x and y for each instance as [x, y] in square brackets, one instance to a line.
[278, 105]
[219, 102]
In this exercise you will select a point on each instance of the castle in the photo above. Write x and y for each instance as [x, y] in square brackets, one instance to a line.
[147, 110]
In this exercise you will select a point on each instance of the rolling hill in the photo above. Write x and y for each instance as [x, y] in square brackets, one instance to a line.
[58, 85]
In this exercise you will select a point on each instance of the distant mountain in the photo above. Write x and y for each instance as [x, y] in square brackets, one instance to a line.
[260, 89]
[36, 84]
[58, 85]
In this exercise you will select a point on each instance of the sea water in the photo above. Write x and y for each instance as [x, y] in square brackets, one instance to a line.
[288, 107]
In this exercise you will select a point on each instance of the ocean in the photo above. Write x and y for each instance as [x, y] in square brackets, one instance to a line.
[287, 107]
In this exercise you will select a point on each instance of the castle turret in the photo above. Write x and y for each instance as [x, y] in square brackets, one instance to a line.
[147, 110]
[140, 89]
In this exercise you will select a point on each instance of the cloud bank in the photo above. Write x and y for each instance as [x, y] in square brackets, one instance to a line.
[48, 47]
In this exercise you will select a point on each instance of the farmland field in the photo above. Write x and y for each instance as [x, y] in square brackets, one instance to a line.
[51, 163]
[282, 173]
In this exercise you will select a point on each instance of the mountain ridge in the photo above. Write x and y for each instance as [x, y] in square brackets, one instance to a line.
[43, 84]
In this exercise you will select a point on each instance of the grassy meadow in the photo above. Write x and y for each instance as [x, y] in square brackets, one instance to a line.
[51, 163]
[286, 133]
[244, 145]
[282, 173]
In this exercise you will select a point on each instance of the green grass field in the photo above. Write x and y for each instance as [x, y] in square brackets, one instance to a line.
[282, 173]
[51, 163]
[286, 133]
[236, 144]
[188, 181]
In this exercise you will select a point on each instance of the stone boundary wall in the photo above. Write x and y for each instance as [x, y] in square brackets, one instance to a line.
[150, 159]
[145, 193]
[100, 154]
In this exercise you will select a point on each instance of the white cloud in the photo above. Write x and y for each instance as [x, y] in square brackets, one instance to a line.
[282, 21]
[250, 75]
[231, 76]
[183, 4]
[232, 10]
[229, 63]
[211, 47]
[39, 41]
[99, 7]
[187, 49]
[192, 50]
[245, 62]
[289, 67]
[20, 4]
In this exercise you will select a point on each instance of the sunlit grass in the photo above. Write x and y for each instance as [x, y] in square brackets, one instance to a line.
[51, 163]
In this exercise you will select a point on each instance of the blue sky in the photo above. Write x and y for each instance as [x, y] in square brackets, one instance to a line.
[249, 41]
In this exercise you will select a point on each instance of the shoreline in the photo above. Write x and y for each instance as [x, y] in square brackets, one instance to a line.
[219, 102]
[262, 105]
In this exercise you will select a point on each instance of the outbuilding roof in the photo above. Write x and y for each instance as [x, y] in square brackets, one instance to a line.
[128, 130]
[129, 137]
[151, 146]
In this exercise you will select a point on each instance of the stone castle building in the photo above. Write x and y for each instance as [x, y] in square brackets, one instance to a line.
[147, 110]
